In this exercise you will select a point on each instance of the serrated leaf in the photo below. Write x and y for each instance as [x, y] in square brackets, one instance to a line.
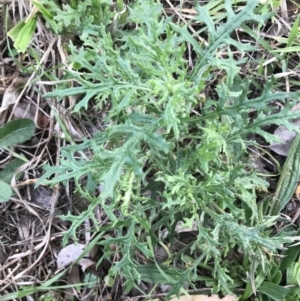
[6, 192]
[187, 155]
[249, 236]
[16, 132]
[240, 104]
[218, 36]
[123, 155]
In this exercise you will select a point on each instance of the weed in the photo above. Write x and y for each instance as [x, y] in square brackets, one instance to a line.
[170, 153]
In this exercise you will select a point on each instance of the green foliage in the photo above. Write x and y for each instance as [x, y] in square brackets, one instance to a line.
[22, 33]
[13, 133]
[78, 17]
[274, 291]
[288, 180]
[219, 36]
[6, 192]
[293, 278]
[290, 255]
[8, 172]
[84, 17]
[16, 132]
[165, 156]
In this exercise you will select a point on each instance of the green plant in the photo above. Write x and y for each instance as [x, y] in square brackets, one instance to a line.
[168, 155]
[288, 180]
[293, 278]
[74, 18]
[22, 33]
[13, 133]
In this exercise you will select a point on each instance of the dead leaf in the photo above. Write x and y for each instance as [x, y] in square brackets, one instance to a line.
[287, 137]
[42, 196]
[205, 298]
[191, 11]
[85, 263]
[25, 109]
[73, 278]
[297, 192]
[69, 254]
[165, 288]
[27, 223]
[12, 93]
[30, 110]
[74, 131]
[181, 227]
